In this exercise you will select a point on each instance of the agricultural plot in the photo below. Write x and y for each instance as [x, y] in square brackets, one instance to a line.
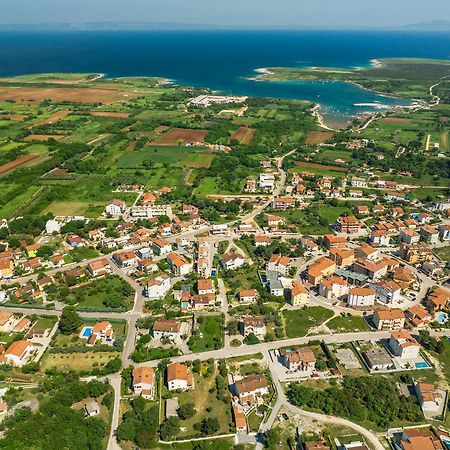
[19, 162]
[243, 135]
[186, 136]
[317, 137]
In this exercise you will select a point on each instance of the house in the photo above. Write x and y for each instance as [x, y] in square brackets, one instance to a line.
[232, 261]
[347, 225]
[205, 286]
[373, 270]
[430, 398]
[301, 360]
[389, 319]
[250, 185]
[380, 238]
[403, 276]
[361, 297]
[433, 270]
[126, 259]
[7, 321]
[358, 182]
[253, 325]
[179, 377]
[343, 257]
[262, 241]
[250, 388]
[362, 210]
[157, 287]
[429, 234]
[378, 359]
[409, 236]
[6, 268]
[444, 232]
[95, 235]
[75, 241]
[403, 345]
[32, 250]
[240, 421]
[161, 246]
[115, 208]
[418, 439]
[220, 229]
[167, 329]
[279, 263]
[309, 244]
[101, 331]
[320, 269]
[283, 203]
[266, 181]
[297, 295]
[203, 301]
[438, 299]
[387, 291]
[98, 268]
[248, 296]
[144, 382]
[18, 353]
[415, 253]
[316, 445]
[333, 288]
[179, 266]
[147, 266]
[22, 325]
[274, 221]
[52, 226]
[418, 316]
[331, 241]
[367, 252]
[91, 408]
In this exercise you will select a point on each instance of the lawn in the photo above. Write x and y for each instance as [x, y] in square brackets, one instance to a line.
[13, 205]
[243, 278]
[202, 398]
[73, 208]
[443, 252]
[208, 334]
[298, 322]
[348, 324]
[79, 254]
[76, 361]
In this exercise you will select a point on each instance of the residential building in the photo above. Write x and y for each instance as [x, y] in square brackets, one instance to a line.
[250, 388]
[18, 353]
[7, 321]
[373, 270]
[418, 316]
[322, 268]
[331, 241]
[115, 208]
[429, 234]
[438, 299]
[161, 246]
[205, 286]
[283, 203]
[101, 331]
[415, 253]
[300, 360]
[179, 266]
[418, 439]
[232, 261]
[98, 268]
[403, 345]
[347, 225]
[279, 263]
[343, 257]
[126, 259]
[444, 232]
[168, 329]
[389, 319]
[144, 382]
[274, 221]
[367, 252]
[157, 287]
[378, 359]
[266, 181]
[239, 419]
[255, 325]
[333, 288]
[262, 241]
[380, 238]
[387, 291]
[361, 297]
[430, 398]
[297, 295]
[248, 296]
[179, 377]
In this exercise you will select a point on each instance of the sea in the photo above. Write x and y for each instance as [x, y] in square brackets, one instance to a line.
[226, 60]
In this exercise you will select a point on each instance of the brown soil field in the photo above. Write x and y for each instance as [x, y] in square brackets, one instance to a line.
[131, 146]
[120, 115]
[396, 120]
[77, 95]
[195, 165]
[43, 137]
[317, 137]
[160, 129]
[15, 117]
[53, 118]
[320, 166]
[17, 163]
[244, 135]
[181, 134]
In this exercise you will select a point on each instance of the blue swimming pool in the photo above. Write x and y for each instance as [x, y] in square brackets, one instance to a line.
[422, 365]
[87, 332]
[442, 318]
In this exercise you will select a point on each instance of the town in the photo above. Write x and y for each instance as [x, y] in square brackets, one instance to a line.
[309, 307]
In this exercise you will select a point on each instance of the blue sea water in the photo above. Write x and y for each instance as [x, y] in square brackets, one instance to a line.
[223, 60]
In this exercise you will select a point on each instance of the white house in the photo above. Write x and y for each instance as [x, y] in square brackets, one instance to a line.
[266, 181]
[179, 266]
[254, 325]
[279, 263]
[161, 246]
[115, 208]
[387, 291]
[52, 226]
[301, 360]
[18, 353]
[361, 297]
[179, 376]
[251, 387]
[430, 398]
[248, 296]
[402, 344]
[169, 329]
[144, 382]
[232, 261]
[157, 287]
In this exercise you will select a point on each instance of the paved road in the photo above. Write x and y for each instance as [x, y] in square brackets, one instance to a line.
[114, 381]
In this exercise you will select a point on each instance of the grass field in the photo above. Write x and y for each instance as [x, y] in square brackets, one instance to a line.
[208, 335]
[72, 208]
[298, 322]
[443, 252]
[348, 324]
[76, 361]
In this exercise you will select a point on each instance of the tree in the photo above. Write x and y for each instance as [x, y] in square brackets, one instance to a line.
[209, 426]
[69, 321]
[251, 339]
[170, 428]
[186, 411]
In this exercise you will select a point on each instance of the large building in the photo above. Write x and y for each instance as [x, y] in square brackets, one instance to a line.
[361, 297]
[389, 319]
[347, 225]
[144, 382]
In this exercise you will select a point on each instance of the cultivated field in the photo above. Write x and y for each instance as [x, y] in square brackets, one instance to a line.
[317, 137]
[43, 137]
[120, 115]
[396, 120]
[78, 95]
[186, 136]
[308, 165]
[17, 163]
[53, 118]
[243, 135]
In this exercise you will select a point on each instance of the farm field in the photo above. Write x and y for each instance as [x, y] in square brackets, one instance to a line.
[19, 162]
[243, 135]
[317, 137]
[186, 136]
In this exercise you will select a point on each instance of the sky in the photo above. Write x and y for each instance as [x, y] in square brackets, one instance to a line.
[239, 13]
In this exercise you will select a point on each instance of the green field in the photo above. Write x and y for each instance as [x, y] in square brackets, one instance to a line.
[348, 324]
[298, 322]
[208, 334]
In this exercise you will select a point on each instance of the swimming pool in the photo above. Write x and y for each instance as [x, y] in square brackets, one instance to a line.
[442, 317]
[422, 365]
[87, 332]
